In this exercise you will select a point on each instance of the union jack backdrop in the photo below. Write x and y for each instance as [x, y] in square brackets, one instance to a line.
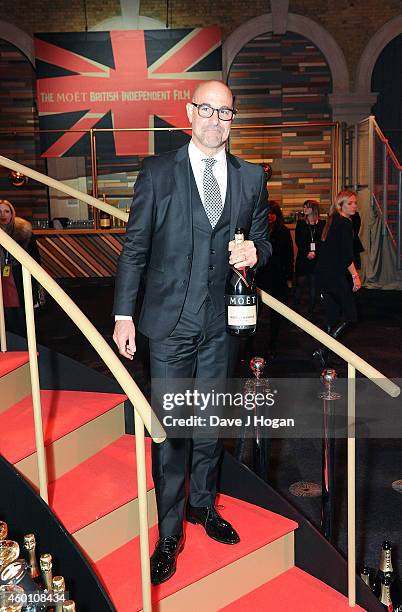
[120, 79]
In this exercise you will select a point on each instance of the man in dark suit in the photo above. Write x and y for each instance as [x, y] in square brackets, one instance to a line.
[186, 207]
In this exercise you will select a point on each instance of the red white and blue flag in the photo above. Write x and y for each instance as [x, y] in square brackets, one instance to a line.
[119, 79]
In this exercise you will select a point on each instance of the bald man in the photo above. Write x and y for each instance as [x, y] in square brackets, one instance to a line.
[186, 207]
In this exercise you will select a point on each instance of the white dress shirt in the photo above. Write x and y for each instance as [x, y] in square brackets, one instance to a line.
[220, 172]
[219, 169]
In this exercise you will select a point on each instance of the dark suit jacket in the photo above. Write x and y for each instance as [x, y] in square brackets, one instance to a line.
[159, 241]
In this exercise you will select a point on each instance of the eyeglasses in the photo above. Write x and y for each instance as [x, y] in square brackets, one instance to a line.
[206, 111]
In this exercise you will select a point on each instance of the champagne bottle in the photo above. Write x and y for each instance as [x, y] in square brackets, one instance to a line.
[17, 572]
[30, 545]
[58, 586]
[365, 575]
[45, 563]
[240, 298]
[69, 606]
[385, 594]
[104, 217]
[3, 530]
[385, 567]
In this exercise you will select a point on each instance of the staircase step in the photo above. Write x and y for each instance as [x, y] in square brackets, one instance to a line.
[12, 361]
[292, 590]
[106, 485]
[208, 573]
[102, 483]
[75, 423]
[15, 378]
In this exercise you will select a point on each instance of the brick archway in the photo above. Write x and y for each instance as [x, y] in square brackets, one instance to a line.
[20, 39]
[368, 59]
[300, 25]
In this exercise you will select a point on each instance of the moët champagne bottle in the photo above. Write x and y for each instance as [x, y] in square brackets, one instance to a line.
[386, 570]
[104, 217]
[240, 298]
[365, 575]
[30, 546]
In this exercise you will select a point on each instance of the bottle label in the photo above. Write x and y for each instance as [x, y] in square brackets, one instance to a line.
[241, 316]
[105, 222]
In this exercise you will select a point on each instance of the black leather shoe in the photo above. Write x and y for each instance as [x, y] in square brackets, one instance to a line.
[163, 560]
[215, 526]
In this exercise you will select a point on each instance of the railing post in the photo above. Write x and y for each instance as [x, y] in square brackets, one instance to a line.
[143, 512]
[343, 153]
[371, 160]
[351, 465]
[33, 366]
[94, 174]
[335, 159]
[384, 188]
[3, 337]
[399, 228]
[356, 158]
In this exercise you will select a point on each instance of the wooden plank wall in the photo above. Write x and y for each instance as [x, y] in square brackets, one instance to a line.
[18, 110]
[285, 79]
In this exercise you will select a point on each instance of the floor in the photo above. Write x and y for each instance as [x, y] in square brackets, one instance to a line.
[377, 338]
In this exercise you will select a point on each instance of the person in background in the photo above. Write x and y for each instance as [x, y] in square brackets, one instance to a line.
[308, 238]
[276, 277]
[336, 274]
[19, 230]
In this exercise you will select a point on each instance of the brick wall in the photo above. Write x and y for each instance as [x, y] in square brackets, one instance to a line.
[351, 22]
[57, 15]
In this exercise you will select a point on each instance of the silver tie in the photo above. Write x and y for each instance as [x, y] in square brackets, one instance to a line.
[212, 195]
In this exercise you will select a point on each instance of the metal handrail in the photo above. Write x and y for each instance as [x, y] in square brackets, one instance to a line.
[59, 186]
[143, 411]
[333, 345]
[354, 363]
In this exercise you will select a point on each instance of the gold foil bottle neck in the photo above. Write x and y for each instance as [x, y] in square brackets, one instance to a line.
[386, 561]
[29, 541]
[3, 530]
[45, 562]
[58, 584]
[385, 597]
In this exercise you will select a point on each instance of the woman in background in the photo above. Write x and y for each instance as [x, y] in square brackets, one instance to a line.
[336, 274]
[308, 238]
[276, 277]
[11, 271]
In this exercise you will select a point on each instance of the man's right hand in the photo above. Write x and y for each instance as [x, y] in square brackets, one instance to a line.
[124, 337]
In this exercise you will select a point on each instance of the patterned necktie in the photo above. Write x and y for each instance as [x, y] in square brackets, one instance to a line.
[212, 195]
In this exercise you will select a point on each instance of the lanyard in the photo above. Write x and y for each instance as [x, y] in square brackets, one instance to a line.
[312, 231]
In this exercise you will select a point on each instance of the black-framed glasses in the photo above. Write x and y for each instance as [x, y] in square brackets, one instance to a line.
[206, 111]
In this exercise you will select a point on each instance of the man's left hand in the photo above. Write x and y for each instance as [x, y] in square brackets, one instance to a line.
[243, 255]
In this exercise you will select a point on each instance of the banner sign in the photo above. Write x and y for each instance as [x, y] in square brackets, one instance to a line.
[119, 79]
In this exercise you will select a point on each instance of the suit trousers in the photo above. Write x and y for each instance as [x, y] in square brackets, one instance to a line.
[198, 348]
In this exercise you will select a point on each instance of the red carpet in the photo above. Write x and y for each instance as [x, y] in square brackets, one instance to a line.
[292, 590]
[102, 483]
[12, 361]
[256, 526]
[62, 412]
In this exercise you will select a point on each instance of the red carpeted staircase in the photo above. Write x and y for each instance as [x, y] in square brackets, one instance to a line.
[93, 491]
